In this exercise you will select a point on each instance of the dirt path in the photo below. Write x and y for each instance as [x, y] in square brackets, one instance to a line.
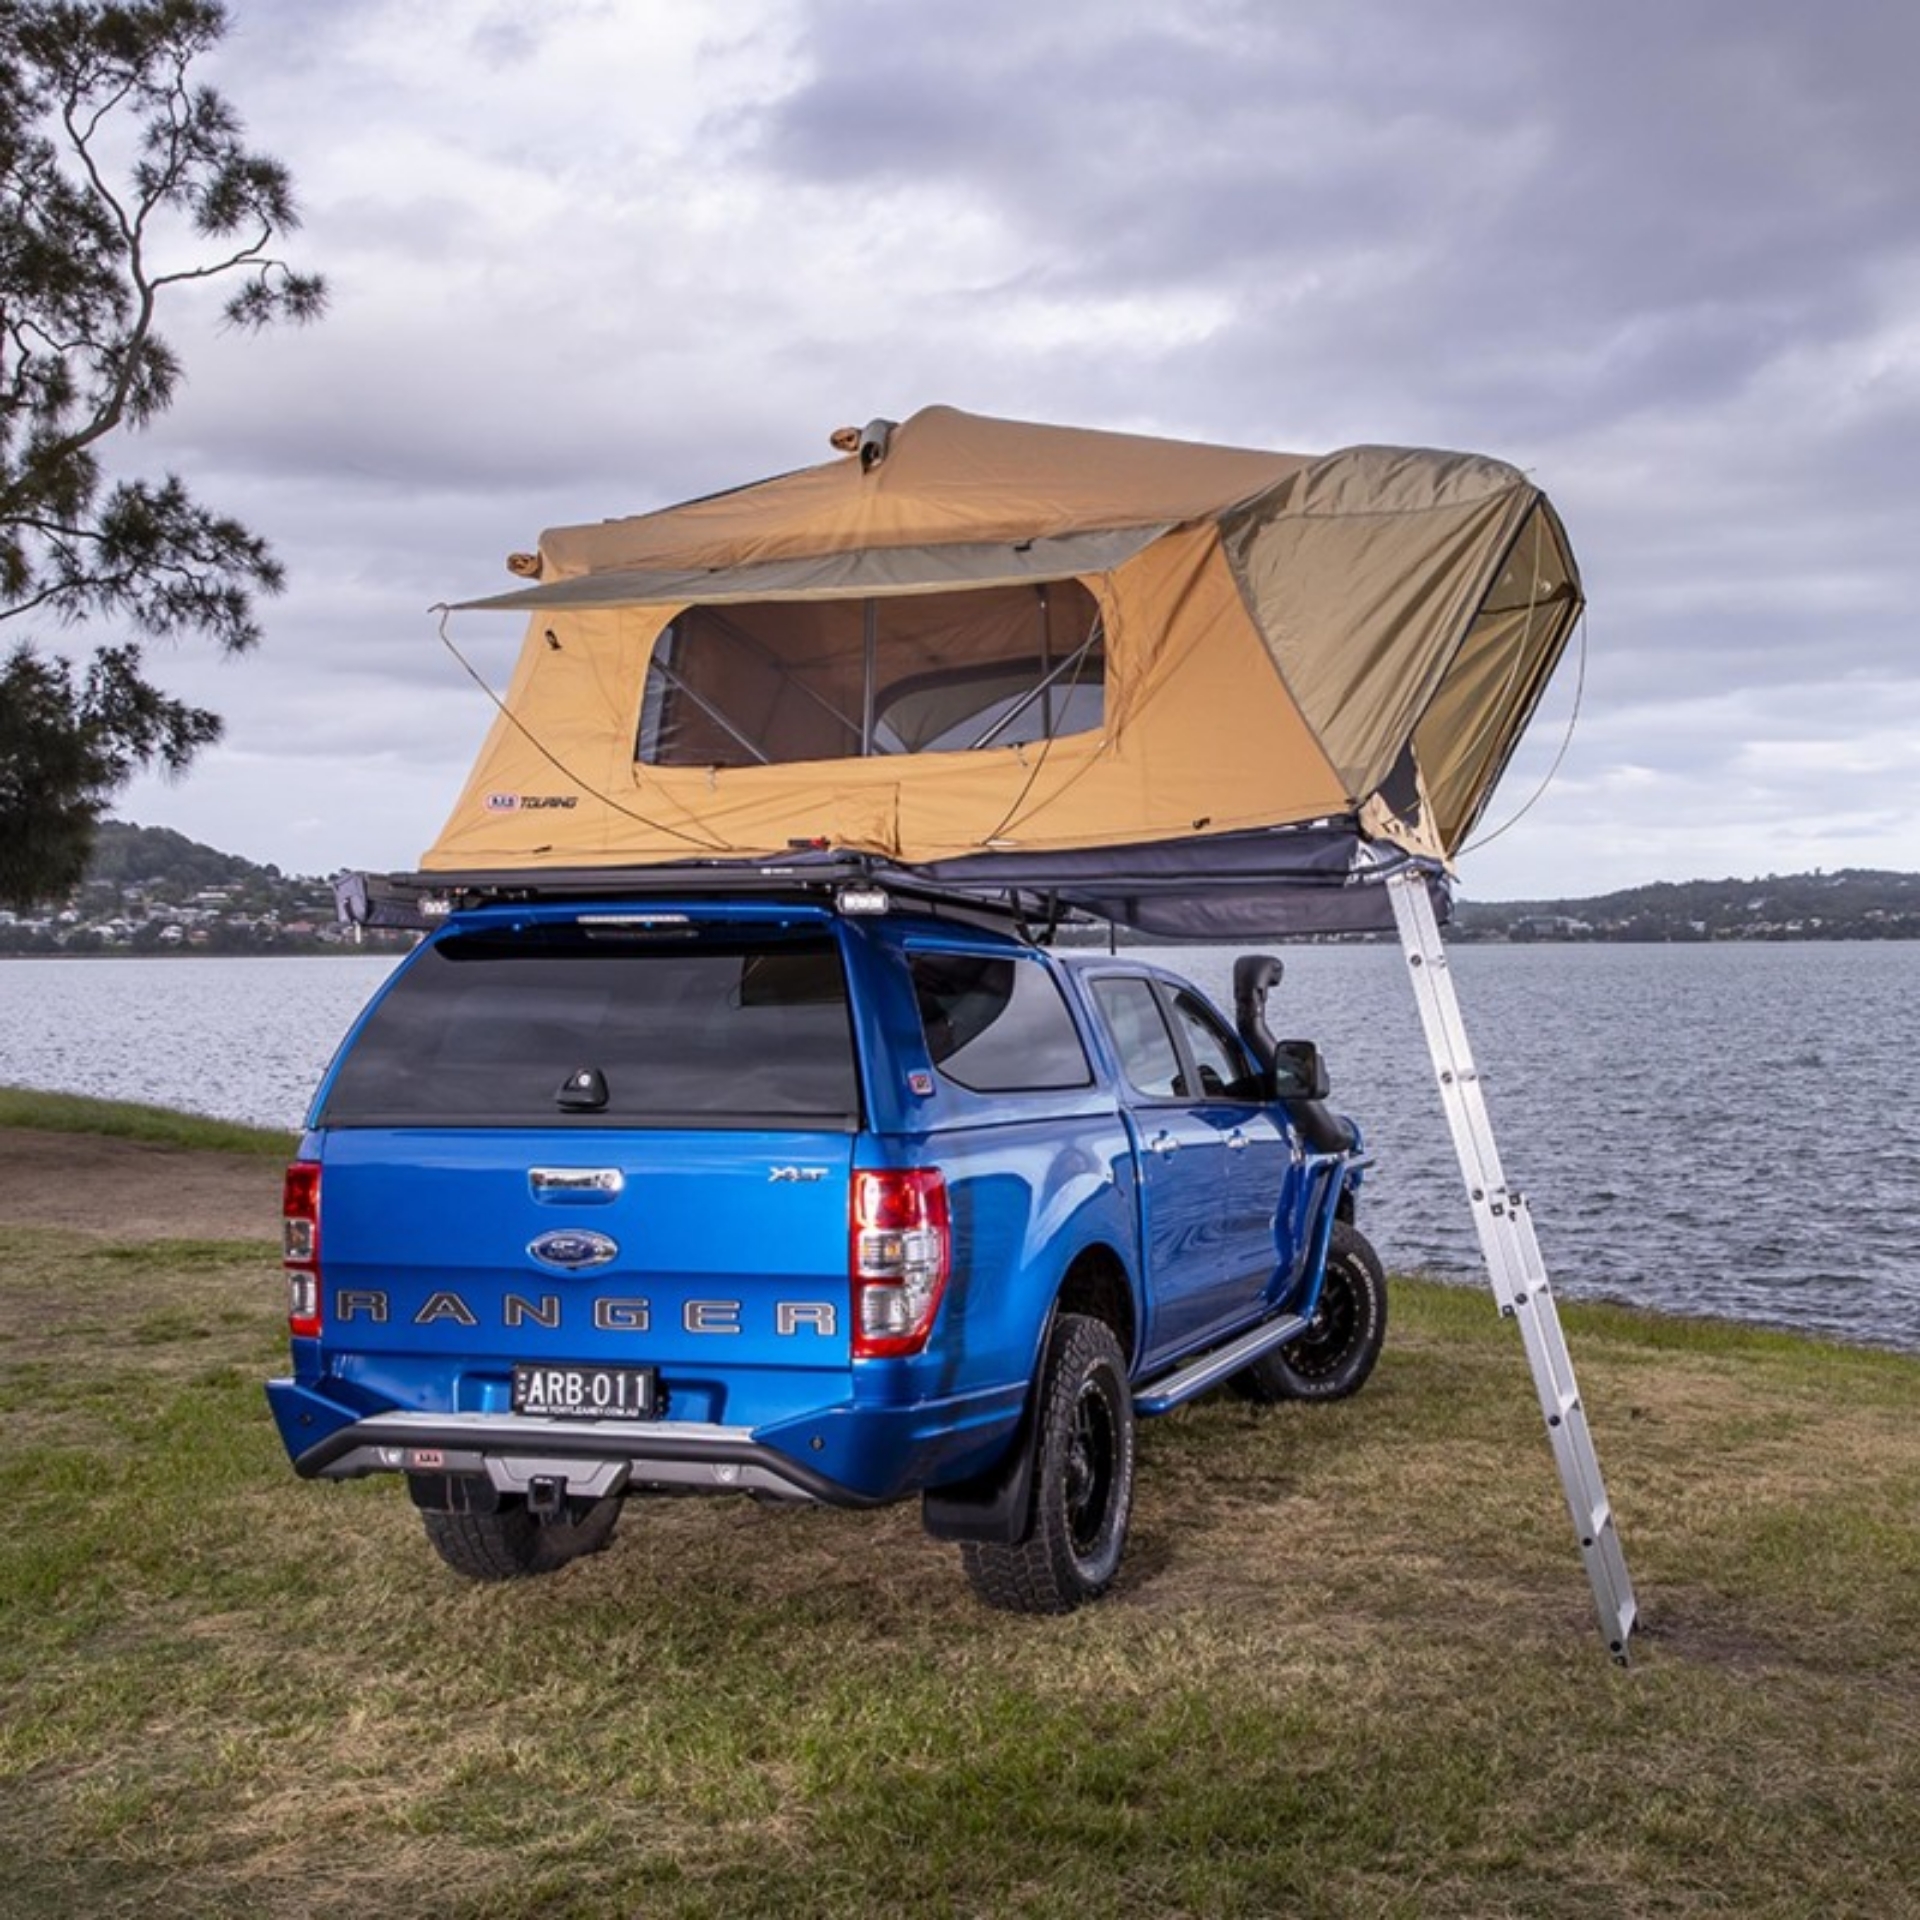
[124, 1189]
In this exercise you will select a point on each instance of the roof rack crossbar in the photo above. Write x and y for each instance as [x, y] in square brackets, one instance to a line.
[418, 901]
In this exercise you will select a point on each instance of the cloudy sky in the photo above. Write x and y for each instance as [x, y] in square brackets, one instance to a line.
[592, 256]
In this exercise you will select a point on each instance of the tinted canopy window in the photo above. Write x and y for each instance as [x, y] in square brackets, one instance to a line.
[770, 682]
[560, 1031]
[997, 1025]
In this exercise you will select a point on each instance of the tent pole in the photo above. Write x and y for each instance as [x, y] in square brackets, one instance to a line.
[869, 674]
[1504, 1223]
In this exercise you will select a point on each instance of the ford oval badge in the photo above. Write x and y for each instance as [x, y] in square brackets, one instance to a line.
[572, 1249]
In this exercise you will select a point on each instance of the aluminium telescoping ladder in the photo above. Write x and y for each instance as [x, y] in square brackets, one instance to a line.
[1514, 1266]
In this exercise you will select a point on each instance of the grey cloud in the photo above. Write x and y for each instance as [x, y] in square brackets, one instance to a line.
[1638, 202]
[1645, 251]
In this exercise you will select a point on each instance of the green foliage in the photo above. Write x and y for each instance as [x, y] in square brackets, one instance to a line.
[129, 1120]
[66, 749]
[88, 256]
[1350, 1669]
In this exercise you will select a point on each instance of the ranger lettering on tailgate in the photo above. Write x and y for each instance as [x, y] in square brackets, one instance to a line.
[607, 1313]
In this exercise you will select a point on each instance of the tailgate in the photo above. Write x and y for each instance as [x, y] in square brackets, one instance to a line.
[716, 1258]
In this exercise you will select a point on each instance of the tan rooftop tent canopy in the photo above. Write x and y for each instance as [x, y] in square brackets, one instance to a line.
[1198, 689]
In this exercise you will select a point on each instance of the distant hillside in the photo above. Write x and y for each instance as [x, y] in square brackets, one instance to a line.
[1853, 904]
[125, 855]
[151, 889]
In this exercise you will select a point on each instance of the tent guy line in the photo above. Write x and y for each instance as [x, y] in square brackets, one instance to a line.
[559, 766]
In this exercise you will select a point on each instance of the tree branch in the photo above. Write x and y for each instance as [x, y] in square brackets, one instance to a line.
[88, 258]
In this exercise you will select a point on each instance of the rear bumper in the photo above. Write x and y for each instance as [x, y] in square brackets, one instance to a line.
[594, 1459]
[866, 1456]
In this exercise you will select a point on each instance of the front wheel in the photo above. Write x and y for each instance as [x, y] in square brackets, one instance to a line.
[1335, 1354]
[511, 1543]
[1082, 1480]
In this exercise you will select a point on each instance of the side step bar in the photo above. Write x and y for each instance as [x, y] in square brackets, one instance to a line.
[1197, 1376]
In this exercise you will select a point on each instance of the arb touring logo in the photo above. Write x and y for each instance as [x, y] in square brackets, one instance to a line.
[519, 802]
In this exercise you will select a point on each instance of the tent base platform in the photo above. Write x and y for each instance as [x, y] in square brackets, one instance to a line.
[1275, 883]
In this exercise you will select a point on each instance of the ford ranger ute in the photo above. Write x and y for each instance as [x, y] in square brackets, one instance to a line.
[818, 1197]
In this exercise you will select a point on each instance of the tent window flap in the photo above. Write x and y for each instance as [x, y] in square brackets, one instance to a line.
[770, 683]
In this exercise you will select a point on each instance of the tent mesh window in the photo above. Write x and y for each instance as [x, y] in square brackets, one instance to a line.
[767, 683]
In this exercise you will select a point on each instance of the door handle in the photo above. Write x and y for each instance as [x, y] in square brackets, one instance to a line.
[580, 1184]
[1164, 1144]
[1237, 1142]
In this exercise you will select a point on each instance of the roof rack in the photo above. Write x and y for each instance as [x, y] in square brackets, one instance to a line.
[419, 902]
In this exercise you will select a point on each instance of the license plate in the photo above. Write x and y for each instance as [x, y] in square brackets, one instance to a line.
[586, 1393]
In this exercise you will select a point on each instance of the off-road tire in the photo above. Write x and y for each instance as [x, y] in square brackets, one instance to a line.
[1082, 1480]
[1335, 1354]
[511, 1544]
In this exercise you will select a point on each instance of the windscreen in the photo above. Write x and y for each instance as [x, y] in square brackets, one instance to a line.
[559, 1029]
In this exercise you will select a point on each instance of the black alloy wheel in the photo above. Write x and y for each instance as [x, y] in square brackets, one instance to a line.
[1336, 1352]
[1082, 1480]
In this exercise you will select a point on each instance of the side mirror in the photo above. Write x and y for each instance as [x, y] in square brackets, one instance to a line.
[1299, 1073]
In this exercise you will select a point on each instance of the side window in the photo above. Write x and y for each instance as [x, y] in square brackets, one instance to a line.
[1216, 1057]
[997, 1024]
[1147, 1053]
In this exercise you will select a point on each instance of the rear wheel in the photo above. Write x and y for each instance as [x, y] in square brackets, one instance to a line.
[1335, 1354]
[1082, 1480]
[512, 1543]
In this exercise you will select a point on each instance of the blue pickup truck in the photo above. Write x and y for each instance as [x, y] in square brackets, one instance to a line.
[826, 1197]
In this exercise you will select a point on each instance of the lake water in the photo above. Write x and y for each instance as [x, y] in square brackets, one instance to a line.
[1727, 1129]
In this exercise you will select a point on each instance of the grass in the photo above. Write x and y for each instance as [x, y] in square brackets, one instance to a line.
[128, 1120]
[1351, 1668]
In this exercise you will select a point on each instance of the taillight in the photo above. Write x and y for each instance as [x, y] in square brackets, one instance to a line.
[300, 1248]
[901, 1253]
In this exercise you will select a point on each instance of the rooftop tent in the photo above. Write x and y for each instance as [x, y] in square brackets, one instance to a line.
[1199, 689]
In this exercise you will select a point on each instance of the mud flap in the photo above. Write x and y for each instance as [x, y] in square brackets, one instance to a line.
[994, 1508]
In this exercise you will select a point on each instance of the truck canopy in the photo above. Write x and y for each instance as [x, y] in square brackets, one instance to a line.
[1201, 690]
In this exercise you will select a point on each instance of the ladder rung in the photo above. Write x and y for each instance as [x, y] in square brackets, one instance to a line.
[1502, 1218]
